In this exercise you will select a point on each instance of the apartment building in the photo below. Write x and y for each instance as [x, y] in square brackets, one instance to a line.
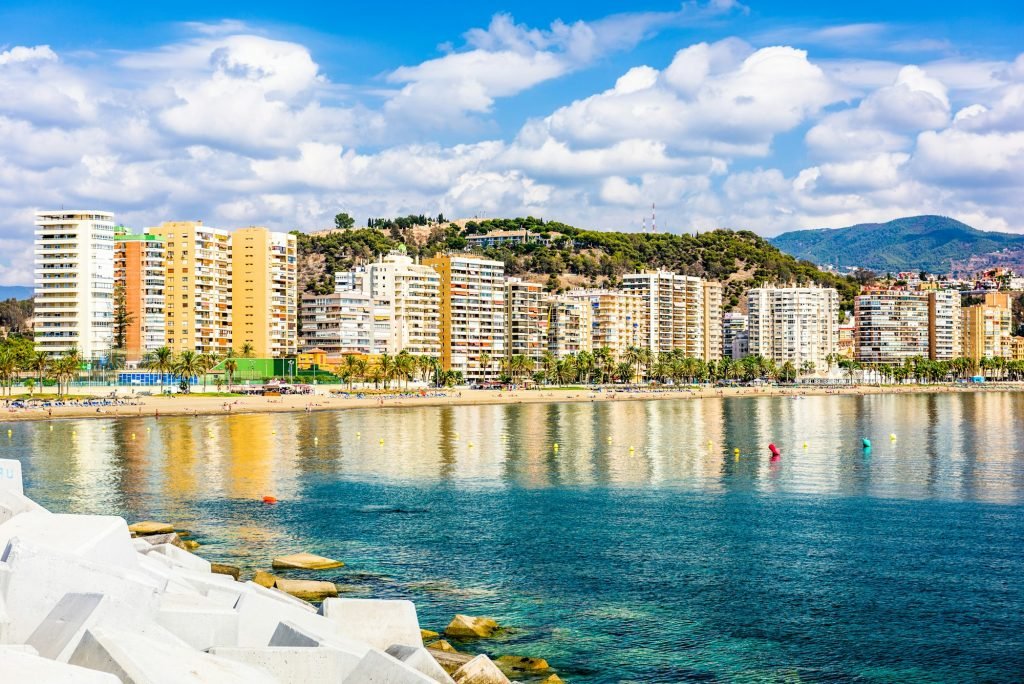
[891, 326]
[794, 324]
[569, 325]
[733, 324]
[337, 323]
[945, 325]
[526, 320]
[472, 330]
[264, 294]
[988, 327]
[406, 299]
[197, 290]
[139, 280]
[618, 320]
[683, 312]
[74, 282]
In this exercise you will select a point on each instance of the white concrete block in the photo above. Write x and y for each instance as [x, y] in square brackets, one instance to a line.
[380, 668]
[57, 636]
[10, 476]
[96, 538]
[418, 658]
[16, 648]
[289, 634]
[24, 667]
[12, 503]
[259, 613]
[296, 665]
[198, 621]
[138, 659]
[278, 595]
[6, 625]
[180, 557]
[39, 578]
[166, 576]
[380, 623]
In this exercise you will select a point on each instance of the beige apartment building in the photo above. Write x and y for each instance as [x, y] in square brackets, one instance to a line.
[682, 313]
[526, 320]
[197, 286]
[264, 292]
[618, 320]
[472, 330]
[988, 328]
[569, 325]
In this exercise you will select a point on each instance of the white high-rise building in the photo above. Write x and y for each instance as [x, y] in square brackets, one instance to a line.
[406, 302]
[74, 282]
[734, 325]
[683, 312]
[795, 324]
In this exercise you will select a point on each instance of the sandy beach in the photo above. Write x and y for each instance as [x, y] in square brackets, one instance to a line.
[325, 400]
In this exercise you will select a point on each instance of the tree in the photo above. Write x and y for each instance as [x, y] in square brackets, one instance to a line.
[39, 363]
[484, 359]
[405, 366]
[64, 370]
[230, 368]
[248, 350]
[122, 318]
[188, 365]
[8, 369]
[788, 372]
[208, 362]
[30, 385]
[162, 362]
[343, 221]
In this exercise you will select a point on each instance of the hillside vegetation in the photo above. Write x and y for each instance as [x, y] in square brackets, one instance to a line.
[738, 259]
[913, 243]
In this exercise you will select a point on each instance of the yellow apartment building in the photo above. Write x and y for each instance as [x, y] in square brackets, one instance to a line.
[988, 327]
[264, 292]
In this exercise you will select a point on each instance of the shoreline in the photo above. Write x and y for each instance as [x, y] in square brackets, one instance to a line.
[179, 405]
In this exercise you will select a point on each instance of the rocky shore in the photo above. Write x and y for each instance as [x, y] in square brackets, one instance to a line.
[86, 599]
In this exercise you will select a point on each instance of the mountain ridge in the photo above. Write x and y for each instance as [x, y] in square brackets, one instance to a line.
[937, 244]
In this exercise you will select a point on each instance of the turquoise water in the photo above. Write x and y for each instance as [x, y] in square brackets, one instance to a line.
[642, 550]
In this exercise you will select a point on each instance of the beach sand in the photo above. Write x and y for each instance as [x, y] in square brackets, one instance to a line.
[323, 400]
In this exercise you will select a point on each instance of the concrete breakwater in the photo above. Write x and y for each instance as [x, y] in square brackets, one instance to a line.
[81, 600]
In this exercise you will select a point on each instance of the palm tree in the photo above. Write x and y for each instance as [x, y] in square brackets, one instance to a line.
[585, 365]
[248, 350]
[386, 365]
[230, 368]
[39, 363]
[208, 362]
[162, 362]
[624, 371]
[634, 356]
[189, 364]
[807, 368]
[8, 369]
[484, 359]
[64, 369]
[565, 370]
[788, 372]
[519, 365]
[405, 367]
[604, 359]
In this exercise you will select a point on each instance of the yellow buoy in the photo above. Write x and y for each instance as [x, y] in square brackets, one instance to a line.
[382, 440]
[133, 435]
[805, 445]
[470, 445]
[358, 435]
[51, 428]
[273, 432]
[631, 448]
[555, 445]
[892, 437]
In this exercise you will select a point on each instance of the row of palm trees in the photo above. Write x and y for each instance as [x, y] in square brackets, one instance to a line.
[42, 366]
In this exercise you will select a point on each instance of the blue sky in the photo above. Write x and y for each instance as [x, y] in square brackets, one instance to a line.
[770, 116]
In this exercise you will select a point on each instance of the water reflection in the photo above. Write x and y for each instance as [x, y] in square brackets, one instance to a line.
[962, 447]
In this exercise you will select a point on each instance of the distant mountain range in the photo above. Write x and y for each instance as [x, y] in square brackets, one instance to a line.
[14, 292]
[937, 244]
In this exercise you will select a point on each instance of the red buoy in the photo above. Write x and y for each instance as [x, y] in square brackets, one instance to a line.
[774, 449]
[269, 500]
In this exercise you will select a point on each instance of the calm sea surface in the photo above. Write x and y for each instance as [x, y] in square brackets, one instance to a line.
[642, 549]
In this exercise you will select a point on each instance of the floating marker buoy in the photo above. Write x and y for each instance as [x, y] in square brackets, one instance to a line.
[273, 432]
[133, 435]
[736, 451]
[774, 449]
[892, 437]
[555, 446]
[358, 435]
[470, 445]
[805, 445]
[10, 432]
[866, 442]
[51, 428]
[269, 500]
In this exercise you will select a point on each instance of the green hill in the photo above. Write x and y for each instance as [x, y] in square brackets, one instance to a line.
[907, 244]
[574, 257]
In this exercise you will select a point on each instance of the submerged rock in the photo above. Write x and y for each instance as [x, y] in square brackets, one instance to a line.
[427, 634]
[442, 645]
[470, 626]
[148, 527]
[305, 561]
[191, 544]
[553, 679]
[449, 659]
[480, 670]
[514, 663]
[308, 590]
[264, 579]
[222, 569]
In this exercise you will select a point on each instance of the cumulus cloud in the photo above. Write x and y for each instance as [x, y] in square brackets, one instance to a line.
[237, 126]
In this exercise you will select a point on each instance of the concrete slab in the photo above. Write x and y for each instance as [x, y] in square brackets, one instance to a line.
[379, 668]
[39, 578]
[296, 665]
[198, 621]
[58, 634]
[180, 557]
[259, 613]
[380, 623]
[24, 667]
[97, 538]
[137, 659]
[288, 634]
[420, 659]
[10, 476]
[13, 503]
[480, 670]
[305, 561]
